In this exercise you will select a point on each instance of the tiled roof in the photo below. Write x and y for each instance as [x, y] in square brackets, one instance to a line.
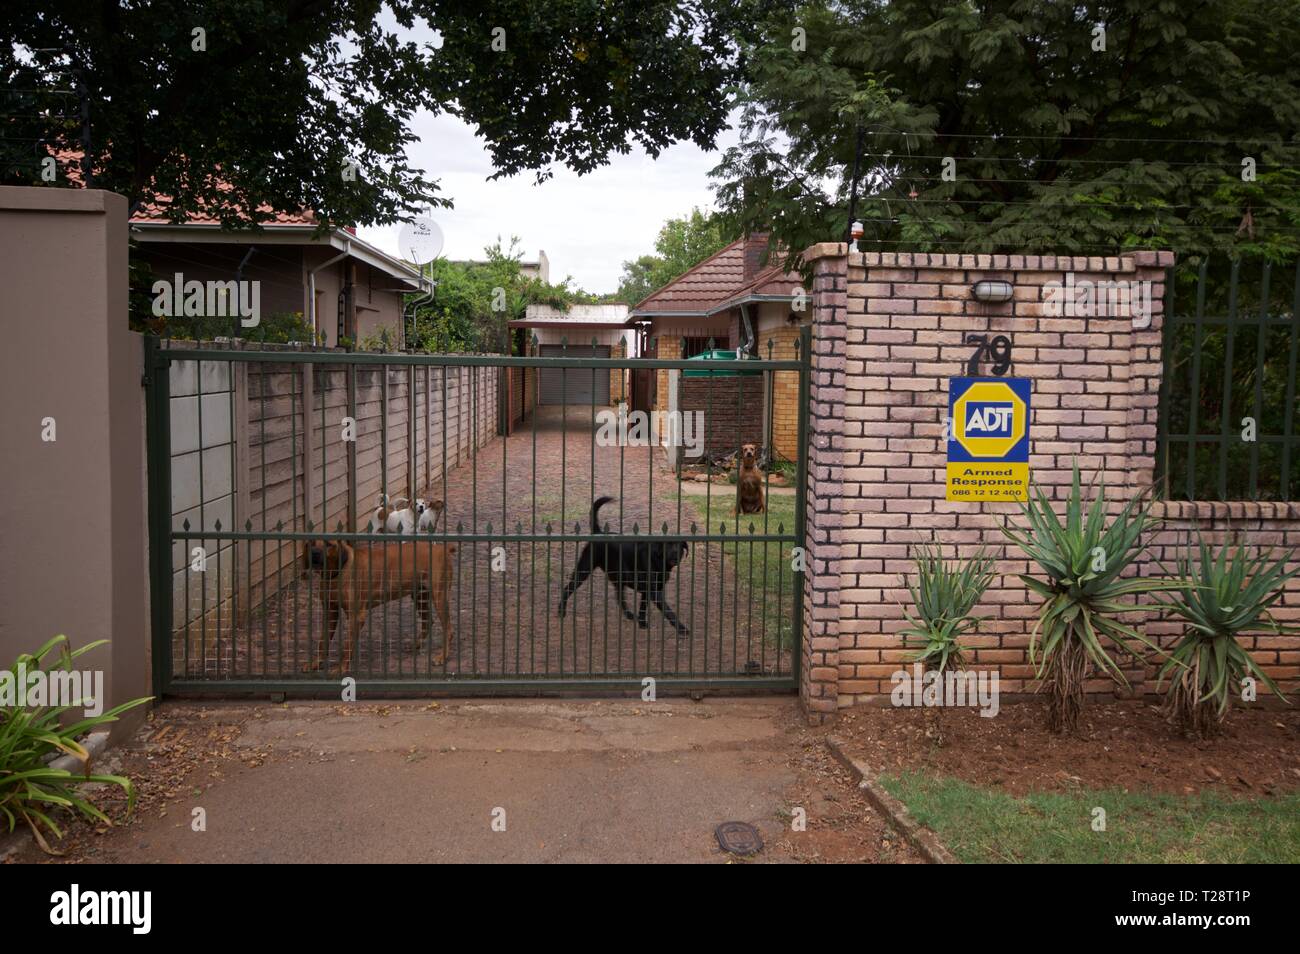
[719, 279]
[70, 161]
[157, 212]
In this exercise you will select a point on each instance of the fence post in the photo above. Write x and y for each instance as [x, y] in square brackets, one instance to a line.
[158, 444]
[308, 399]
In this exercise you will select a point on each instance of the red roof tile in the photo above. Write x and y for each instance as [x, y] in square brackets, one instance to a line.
[718, 279]
[70, 160]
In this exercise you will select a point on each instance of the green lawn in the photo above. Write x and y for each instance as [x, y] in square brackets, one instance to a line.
[764, 568]
[979, 825]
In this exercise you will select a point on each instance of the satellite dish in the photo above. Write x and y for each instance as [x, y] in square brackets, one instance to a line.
[420, 240]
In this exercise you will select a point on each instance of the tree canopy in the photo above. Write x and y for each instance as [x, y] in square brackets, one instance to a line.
[243, 107]
[475, 300]
[681, 243]
[1018, 125]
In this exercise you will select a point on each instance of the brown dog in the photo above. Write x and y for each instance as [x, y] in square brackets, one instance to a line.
[749, 484]
[355, 578]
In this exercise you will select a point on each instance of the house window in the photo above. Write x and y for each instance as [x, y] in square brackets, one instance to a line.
[693, 345]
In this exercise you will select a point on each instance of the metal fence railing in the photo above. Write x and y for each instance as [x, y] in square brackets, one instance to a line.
[274, 570]
[1228, 421]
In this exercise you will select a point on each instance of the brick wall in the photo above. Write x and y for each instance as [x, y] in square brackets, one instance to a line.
[785, 401]
[889, 330]
[732, 408]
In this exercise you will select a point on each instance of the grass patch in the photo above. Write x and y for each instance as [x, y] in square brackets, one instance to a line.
[979, 825]
[763, 569]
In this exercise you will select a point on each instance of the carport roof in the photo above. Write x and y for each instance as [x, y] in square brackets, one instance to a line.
[561, 323]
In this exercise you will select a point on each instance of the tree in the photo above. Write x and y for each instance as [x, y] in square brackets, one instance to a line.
[475, 300]
[245, 107]
[1074, 127]
[681, 243]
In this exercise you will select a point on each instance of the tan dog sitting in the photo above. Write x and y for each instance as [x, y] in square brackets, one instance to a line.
[749, 483]
[355, 578]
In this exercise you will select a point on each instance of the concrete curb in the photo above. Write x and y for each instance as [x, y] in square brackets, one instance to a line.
[920, 837]
[95, 743]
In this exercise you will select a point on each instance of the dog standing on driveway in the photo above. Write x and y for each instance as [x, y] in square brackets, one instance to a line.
[355, 579]
[749, 483]
[642, 566]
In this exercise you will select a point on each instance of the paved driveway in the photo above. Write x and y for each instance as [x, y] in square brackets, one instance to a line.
[611, 781]
[505, 595]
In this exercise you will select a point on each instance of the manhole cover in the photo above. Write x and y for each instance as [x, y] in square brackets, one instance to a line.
[739, 838]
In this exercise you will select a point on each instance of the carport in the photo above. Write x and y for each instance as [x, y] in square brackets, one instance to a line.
[583, 331]
[573, 385]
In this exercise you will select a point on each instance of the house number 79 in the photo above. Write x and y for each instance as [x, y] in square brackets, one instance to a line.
[997, 351]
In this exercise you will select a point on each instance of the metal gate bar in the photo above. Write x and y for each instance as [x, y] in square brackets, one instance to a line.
[218, 645]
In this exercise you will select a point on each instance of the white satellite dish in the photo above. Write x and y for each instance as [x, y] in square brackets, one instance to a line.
[420, 240]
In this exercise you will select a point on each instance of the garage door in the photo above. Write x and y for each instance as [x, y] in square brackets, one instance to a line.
[573, 385]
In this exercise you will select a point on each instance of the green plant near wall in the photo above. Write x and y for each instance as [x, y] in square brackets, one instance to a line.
[1220, 597]
[383, 340]
[32, 791]
[1084, 558]
[943, 597]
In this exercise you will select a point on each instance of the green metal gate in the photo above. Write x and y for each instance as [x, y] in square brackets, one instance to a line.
[266, 468]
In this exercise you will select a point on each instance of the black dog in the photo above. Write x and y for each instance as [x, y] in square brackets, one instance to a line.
[641, 566]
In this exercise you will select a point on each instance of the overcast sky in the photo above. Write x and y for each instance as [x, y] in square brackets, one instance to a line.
[588, 225]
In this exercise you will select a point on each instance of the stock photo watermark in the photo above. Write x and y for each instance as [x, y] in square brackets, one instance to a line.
[179, 298]
[921, 688]
[37, 688]
[623, 428]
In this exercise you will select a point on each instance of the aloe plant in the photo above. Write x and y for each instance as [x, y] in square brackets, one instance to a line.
[1219, 598]
[944, 595]
[30, 787]
[1084, 559]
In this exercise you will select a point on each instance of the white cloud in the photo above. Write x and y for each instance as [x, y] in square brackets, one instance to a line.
[588, 225]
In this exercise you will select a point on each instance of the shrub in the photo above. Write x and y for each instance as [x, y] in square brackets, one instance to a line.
[944, 595]
[1218, 598]
[31, 735]
[1083, 558]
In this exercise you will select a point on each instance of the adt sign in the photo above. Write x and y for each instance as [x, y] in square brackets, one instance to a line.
[988, 445]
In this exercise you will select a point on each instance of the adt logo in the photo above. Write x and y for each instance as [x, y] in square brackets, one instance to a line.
[988, 419]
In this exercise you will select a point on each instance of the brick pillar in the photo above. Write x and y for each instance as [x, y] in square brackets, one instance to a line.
[819, 680]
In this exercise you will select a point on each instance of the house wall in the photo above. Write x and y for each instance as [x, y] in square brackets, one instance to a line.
[581, 336]
[277, 267]
[732, 410]
[327, 291]
[888, 330]
[666, 334]
[774, 327]
[377, 308]
[282, 272]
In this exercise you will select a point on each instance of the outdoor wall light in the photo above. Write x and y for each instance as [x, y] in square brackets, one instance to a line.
[992, 292]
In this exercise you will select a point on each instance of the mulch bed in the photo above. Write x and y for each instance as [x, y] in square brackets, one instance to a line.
[1123, 744]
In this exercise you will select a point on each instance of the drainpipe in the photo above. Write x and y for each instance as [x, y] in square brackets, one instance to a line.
[747, 340]
[239, 279]
[415, 303]
[311, 286]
